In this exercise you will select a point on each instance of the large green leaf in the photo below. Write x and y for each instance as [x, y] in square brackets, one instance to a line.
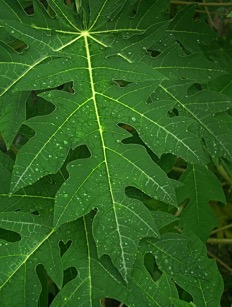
[96, 107]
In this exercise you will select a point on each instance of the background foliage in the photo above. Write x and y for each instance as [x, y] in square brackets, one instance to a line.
[116, 152]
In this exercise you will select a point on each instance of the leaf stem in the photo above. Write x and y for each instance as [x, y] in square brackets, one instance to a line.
[219, 241]
[220, 261]
[179, 169]
[224, 174]
[212, 13]
[202, 4]
[221, 229]
[208, 14]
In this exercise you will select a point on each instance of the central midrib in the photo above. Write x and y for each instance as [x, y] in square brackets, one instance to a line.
[85, 34]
